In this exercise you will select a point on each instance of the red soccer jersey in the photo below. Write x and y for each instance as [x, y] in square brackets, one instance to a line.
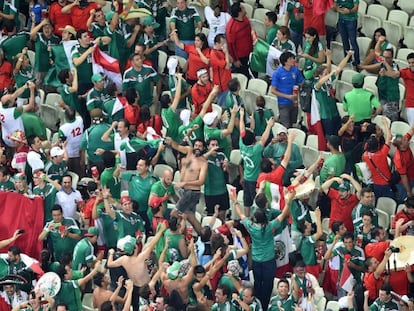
[408, 76]
[194, 61]
[59, 19]
[403, 215]
[378, 165]
[404, 161]
[372, 285]
[341, 210]
[239, 38]
[199, 94]
[221, 75]
[81, 15]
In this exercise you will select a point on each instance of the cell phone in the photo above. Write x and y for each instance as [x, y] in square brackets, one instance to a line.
[21, 231]
[220, 150]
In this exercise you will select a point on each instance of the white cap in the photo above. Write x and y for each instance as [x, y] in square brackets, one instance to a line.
[172, 65]
[185, 116]
[56, 151]
[209, 118]
[201, 72]
[343, 302]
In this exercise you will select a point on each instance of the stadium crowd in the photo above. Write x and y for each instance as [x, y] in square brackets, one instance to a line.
[179, 166]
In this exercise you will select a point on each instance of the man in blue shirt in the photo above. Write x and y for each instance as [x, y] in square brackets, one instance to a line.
[284, 79]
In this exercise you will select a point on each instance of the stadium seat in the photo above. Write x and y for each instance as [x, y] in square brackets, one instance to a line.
[342, 112]
[370, 24]
[312, 141]
[409, 37]
[276, 128]
[342, 88]
[217, 109]
[377, 10]
[389, 4]
[87, 302]
[309, 155]
[403, 53]
[370, 82]
[399, 17]
[271, 103]
[249, 10]
[162, 61]
[363, 43]
[322, 302]
[394, 32]
[407, 6]
[269, 4]
[383, 220]
[386, 205]
[200, 10]
[300, 136]
[332, 305]
[260, 13]
[362, 10]
[235, 157]
[249, 98]
[259, 27]
[50, 115]
[75, 179]
[347, 75]
[337, 50]
[402, 94]
[258, 85]
[401, 63]
[31, 56]
[206, 220]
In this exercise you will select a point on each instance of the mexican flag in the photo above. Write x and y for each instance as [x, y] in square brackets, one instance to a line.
[264, 58]
[347, 279]
[107, 66]
[314, 122]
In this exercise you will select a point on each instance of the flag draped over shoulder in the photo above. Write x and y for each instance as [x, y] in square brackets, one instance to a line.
[20, 212]
[314, 122]
[107, 65]
[264, 58]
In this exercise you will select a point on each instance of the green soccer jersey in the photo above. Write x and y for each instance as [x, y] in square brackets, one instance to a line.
[139, 188]
[288, 304]
[356, 256]
[185, 22]
[347, 4]
[7, 185]
[128, 224]
[70, 294]
[261, 116]
[70, 99]
[160, 190]
[95, 99]
[110, 181]
[113, 109]
[173, 252]
[215, 183]
[82, 254]
[380, 305]
[33, 125]
[159, 12]
[360, 103]
[359, 211]
[388, 87]
[327, 102]
[295, 24]
[42, 54]
[13, 45]
[99, 31]
[307, 250]
[271, 33]
[172, 85]
[65, 244]
[48, 193]
[143, 81]
[227, 306]
[252, 157]
[183, 130]
[109, 227]
[117, 46]
[91, 140]
[171, 123]
[288, 45]
[22, 77]
[334, 166]
[309, 63]
[150, 42]
[213, 132]
[85, 68]
[299, 211]
[56, 171]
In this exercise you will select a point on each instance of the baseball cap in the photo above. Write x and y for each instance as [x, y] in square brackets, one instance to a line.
[282, 129]
[201, 72]
[358, 78]
[109, 15]
[172, 65]
[69, 29]
[56, 151]
[209, 118]
[149, 21]
[92, 231]
[97, 77]
[172, 271]
[345, 186]
[129, 246]
[125, 199]
[185, 116]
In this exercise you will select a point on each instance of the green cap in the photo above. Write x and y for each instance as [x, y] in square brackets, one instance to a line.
[345, 186]
[109, 15]
[173, 270]
[149, 21]
[130, 246]
[97, 77]
[358, 78]
[92, 231]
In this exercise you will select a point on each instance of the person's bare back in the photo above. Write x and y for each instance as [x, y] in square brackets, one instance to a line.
[137, 270]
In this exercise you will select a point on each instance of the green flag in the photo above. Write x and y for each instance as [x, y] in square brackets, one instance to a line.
[61, 57]
[265, 58]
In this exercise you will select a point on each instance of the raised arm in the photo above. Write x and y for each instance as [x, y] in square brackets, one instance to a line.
[177, 95]
[106, 137]
[150, 246]
[327, 184]
[174, 37]
[288, 152]
[6, 242]
[91, 274]
[230, 127]
[266, 133]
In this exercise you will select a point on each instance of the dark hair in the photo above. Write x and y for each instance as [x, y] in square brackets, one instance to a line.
[145, 291]
[70, 114]
[131, 95]
[410, 55]
[348, 235]
[261, 218]
[366, 190]
[61, 272]
[165, 101]
[173, 223]
[368, 262]
[301, 226]
[208, 142]
[235, 9]
[15, 250]
[368, 213]
[62, 304]
[67, 175]
[9, 24]
[272, 16]
[205, 234]
[335, 226]
[44, 259]
[111, 88]
[4, 170]
[285, 56]
[387, 288]
[66, 259]
[144, 113]
[334, 141]
[126, 123]
[345, 119]
[57, 207]
[106, 306]
[63, 75]
[314, 47]
[260, 103]
[391, 51]
[261, 200]
[409, 202]
[217, 241]
[217, 38]
[283, 281]
[91, 186]
[376, 232]
[98, 278]
[79, 33]
[200, 141]
[285, 31]
[372, 144]
[249, 138]
[233, 85]
[373, 41]
[131, 57]
[203, 39]
[199, 269]
[144, 47]
[319, 70]
[31, 139]
[266, 166]
[225, 289]
[108, 159]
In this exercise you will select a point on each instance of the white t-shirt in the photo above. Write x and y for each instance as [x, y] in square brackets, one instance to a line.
[68, 203]
[73, 132]
[217, 24]
[117, 143]
[9, 124]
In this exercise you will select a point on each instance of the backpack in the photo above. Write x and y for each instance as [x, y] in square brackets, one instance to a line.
[305, 95]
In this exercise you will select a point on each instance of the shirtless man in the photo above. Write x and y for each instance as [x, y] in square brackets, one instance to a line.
[193, 174]
[172, 281]
[136, 266]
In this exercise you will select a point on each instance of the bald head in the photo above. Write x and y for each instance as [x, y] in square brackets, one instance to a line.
[167, 177]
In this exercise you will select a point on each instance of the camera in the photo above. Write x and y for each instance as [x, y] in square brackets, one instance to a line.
[21, 231]
[394, 249]
[63, 138]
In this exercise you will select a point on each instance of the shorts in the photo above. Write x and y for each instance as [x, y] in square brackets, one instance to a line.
[249, 192]
[220, 199]
[188, 201]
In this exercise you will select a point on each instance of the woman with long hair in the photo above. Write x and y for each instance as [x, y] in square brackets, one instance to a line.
[312, 52]
[261, 231]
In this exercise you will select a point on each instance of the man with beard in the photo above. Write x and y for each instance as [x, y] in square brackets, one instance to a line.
[193, 174]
